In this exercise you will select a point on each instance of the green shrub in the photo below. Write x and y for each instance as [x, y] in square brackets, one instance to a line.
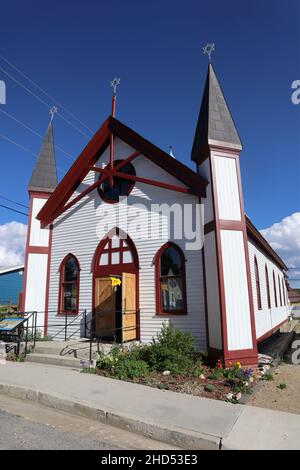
[172, 350]
[131, 368]
[123, 364]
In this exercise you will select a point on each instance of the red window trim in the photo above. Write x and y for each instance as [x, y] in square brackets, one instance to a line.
[268, 287]
[275, 290]
[159, 309]
[280, 295]
[61, 310]
[257, 283]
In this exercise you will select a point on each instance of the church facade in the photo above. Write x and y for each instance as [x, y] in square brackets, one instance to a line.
[131, 239]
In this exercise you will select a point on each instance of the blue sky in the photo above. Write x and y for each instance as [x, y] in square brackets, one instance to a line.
[73, 49]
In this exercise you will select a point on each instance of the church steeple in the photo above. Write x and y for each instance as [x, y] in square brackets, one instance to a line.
[215, 125]
[44, 176]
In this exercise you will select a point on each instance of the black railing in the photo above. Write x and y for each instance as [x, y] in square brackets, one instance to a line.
[62, 326]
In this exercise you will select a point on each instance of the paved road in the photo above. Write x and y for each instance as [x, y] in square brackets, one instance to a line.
[25, 425]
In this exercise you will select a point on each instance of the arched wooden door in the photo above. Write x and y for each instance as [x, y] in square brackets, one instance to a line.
[116, 301]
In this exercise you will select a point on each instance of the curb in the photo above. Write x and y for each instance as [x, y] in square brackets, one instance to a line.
[185, 439]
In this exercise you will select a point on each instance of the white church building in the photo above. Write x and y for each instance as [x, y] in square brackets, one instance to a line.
[134, 238]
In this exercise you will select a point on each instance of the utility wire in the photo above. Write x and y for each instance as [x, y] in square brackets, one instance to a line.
[34, 132]
[13, 210]
[14, 202]
[43, 91]
[26, 150]
[42, 101]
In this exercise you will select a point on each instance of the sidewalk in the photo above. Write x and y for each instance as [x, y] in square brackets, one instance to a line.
[182, 420]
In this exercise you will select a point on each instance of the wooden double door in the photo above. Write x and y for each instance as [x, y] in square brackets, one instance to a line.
[115, 308]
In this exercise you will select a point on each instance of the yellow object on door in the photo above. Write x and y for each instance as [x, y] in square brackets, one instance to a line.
[105, 307]
[129, 307]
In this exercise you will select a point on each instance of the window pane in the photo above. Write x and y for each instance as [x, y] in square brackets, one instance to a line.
[115, 258]
[104, 259]
[170, 262]
[115, 242]
[71, 270]
[171, 294]
[70, 297]
[127, 257]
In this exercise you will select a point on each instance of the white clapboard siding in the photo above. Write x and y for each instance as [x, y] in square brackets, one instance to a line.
[266, 319]
[38, 236]
[204, 171]
[227, 188]
[80, 229]
[36, 285]
[238, 321]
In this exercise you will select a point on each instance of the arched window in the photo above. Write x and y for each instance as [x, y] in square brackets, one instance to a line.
[268, 287]
[69, 285]
[283, 291]
[279, 287]
[170, 280]
[258, 293]
[275, 290]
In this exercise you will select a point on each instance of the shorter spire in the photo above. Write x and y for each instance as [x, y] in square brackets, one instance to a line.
[44, 176]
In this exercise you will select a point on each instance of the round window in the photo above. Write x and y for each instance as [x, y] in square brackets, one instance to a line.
[121, 186]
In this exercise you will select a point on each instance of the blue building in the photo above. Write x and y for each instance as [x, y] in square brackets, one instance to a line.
[11, 284]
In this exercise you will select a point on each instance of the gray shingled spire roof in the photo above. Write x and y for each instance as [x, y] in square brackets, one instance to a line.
[44, 176]
[215, 124]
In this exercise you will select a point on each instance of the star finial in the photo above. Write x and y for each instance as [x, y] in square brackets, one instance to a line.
[114, 83]
[53, 111]
[208, 49]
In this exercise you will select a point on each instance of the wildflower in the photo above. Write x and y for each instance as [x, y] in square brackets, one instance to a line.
[238, 364]
[238, 396]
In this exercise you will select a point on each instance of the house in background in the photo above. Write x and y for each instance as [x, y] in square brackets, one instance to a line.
[230, 292]
[11, 284]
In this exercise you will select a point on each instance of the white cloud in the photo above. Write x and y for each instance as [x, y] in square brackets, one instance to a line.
[284, 237]
[12, 244]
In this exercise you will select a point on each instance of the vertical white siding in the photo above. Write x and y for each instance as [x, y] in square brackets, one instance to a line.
[267, 318]
[212, 292]
[227, 188]
[36, 285]
[236, 291]
[204, 171]
[38, 236]
[77, 232]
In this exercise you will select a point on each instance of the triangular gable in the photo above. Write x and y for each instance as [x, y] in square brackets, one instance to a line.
[93, 151]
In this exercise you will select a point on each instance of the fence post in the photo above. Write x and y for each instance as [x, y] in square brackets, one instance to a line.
[66, 326]
[85, 328]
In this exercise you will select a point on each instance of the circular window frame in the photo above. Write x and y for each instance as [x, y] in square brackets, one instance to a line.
[132, 183]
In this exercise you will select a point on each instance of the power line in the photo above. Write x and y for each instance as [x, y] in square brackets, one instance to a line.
[13, 210]
[25, 149]
[34, 132]
[43, 91]
[14, 202]
[42, 101]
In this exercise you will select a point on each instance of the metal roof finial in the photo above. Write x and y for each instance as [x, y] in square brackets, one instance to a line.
[114, 83]
[53, 111]
[208, 49]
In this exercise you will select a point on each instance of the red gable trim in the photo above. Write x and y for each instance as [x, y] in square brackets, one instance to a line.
[158, 156]
[93, 151]
[262, 242]
[76, 174]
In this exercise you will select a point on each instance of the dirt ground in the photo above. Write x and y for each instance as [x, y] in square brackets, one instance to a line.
[268, 395]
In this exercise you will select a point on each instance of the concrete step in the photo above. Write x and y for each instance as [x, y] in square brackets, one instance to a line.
[54, 359]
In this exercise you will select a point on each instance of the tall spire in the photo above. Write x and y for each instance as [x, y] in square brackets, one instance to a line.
[215, 125]
[44, 176]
